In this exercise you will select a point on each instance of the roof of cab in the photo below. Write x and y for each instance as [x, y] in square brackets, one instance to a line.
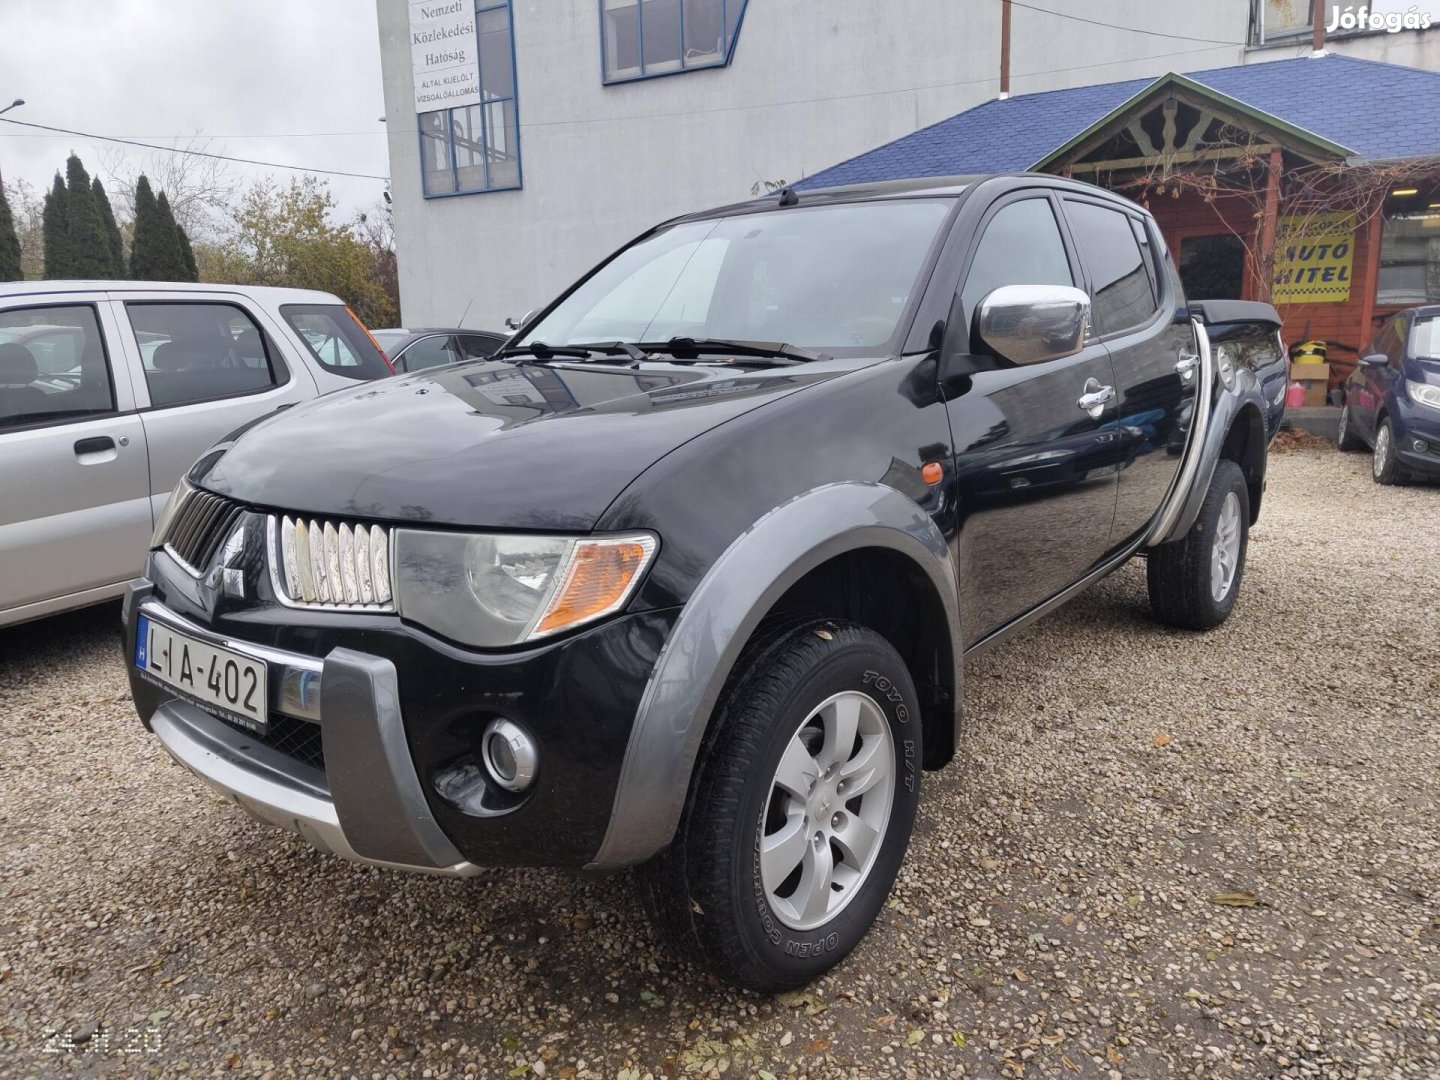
[268, 293]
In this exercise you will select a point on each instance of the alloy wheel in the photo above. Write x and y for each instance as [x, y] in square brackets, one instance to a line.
[1382, 450]
[1225, 551]
[825, 820]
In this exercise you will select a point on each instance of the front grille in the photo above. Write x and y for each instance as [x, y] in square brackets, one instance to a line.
[320, 563]
[298, 739]
[198, 528]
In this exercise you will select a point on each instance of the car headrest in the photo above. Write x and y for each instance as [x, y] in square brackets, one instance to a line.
[169, 356]
[17, 365]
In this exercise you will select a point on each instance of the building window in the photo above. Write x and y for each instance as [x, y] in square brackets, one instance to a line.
[640, 39]
[1410, 259]
[1277, 21]
[477, 147]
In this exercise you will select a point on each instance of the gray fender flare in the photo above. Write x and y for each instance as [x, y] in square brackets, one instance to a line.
[719, 618]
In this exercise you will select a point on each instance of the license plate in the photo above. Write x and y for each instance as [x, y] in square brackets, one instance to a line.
[221, 680]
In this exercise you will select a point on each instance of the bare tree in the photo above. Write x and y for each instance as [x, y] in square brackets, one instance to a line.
[202, 191]
[28, 208]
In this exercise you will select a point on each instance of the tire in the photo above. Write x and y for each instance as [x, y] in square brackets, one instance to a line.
[1383, 466]
[765, 929]
[1345, 437]
[1186, 578]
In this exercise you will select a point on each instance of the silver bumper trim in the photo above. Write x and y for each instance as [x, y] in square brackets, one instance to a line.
[218, 755]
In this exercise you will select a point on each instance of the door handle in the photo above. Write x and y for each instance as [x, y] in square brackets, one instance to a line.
[1095, 398]
[96, 444]
[1187, 365]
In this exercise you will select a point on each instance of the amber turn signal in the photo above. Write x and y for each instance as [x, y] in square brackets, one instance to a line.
[932, 472]
[597, 581]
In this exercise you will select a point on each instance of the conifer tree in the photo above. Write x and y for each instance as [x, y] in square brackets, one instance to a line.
[56, 231]
[187, 255]
[9, 243]
[111, 228]
[147, 258]
[175, 268]
[89, 247]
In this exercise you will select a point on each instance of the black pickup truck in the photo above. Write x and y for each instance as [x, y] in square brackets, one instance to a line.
[684, 578]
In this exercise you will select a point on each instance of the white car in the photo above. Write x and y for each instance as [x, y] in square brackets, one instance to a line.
[109, 391]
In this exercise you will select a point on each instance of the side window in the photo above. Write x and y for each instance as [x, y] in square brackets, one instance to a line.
[52, 366]
[477, 347]
[199, 351]
[1121, 285]
[433, 351]
[1021, 246]
[1148, 254]
[337, 340]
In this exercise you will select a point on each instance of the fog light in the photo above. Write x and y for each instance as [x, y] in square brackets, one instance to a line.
[510, 755]
[1421, 446]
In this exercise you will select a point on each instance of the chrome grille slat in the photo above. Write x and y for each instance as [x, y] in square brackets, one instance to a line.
[198, 528]
[322, 563]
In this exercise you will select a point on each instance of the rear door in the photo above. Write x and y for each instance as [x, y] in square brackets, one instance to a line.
[1140, 318]
[74, 485]
[202, 366]
[1035, 468]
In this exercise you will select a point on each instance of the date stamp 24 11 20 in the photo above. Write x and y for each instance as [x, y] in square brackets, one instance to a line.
[130, 1040]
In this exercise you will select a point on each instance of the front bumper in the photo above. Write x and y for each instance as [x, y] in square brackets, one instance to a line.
[390, 720]
[1423, 423]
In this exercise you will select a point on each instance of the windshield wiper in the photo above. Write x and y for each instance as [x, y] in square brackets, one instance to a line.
[776, 352]
[540, 351]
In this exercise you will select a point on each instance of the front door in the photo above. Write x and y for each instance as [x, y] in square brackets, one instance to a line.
[1140, 317]
[1035, 469]
[203, 367]
[1372, 382]
[74, 511]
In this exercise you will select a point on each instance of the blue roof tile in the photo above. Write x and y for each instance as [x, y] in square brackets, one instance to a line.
[1378, 110]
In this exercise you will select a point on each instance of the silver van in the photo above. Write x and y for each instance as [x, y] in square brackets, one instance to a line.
[109, 391]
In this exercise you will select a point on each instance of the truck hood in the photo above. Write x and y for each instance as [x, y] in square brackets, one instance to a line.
[492, 444]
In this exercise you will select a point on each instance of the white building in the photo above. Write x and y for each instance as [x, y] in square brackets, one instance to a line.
[603, 117]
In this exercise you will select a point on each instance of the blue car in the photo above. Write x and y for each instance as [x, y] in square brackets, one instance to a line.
[1392, 398]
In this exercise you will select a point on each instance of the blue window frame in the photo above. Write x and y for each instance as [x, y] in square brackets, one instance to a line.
[477, 147]
[643, 39]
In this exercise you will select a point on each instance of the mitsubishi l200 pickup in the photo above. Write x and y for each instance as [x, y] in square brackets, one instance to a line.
[685, 577]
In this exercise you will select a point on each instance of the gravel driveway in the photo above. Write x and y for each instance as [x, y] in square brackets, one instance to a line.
[1062, 911]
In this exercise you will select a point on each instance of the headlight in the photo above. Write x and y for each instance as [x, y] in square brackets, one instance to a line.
[1424, 393]
[491, 590]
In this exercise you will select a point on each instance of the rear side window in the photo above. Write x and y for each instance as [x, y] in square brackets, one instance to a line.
[336, 340]
[1021, 246]
[436, 350]
[199, 351]
[1120, 282]
[52, 366]
[478, 346]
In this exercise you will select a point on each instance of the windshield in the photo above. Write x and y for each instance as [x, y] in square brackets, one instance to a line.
[1425, 338]
[828, 278]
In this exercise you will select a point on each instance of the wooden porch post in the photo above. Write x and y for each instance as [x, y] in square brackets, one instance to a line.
[1005, 48]
[1268, 224]
[1371, 283]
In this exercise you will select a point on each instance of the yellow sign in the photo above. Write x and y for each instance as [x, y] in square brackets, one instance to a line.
[1314, 256]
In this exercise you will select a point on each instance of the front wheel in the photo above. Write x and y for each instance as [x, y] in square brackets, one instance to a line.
[1383, 466]
[1193, 581]
[800, 809]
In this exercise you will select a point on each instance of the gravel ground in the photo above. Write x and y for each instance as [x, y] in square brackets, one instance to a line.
[1061, 911]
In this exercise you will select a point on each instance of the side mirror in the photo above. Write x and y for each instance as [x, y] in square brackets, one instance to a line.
[513, 323]
[1375, 359]
[1029, 324]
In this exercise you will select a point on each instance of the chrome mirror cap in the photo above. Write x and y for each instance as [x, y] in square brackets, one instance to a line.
[1030, 324]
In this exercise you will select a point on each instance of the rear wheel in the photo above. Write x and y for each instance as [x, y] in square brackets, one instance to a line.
[1383, 466]
[800, 810]
[1193, 581]
[1345, 437]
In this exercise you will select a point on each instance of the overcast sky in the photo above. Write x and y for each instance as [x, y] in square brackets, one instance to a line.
[249, 75]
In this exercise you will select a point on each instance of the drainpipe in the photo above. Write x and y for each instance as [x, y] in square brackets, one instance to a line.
[1317, 32]
[1004, 49]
